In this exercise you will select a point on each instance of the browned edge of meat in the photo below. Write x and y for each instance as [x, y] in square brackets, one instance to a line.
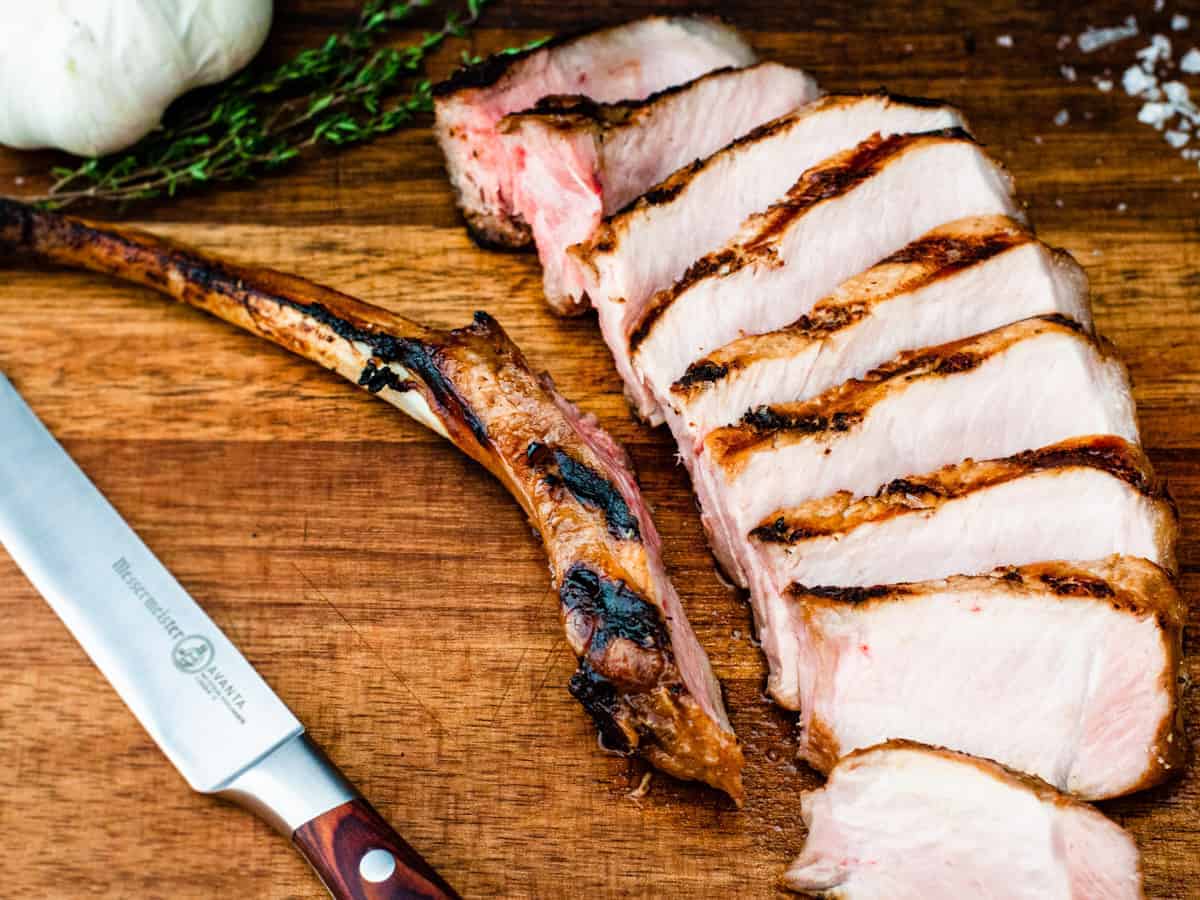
[487, 72]
[613, 227]
[571, 112]
[1129, 584]
[843, 408]
[484, 397]
[939, 254]
[842, 512]
[759, 235]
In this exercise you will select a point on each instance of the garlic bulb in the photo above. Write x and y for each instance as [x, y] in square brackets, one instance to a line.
[94, 76]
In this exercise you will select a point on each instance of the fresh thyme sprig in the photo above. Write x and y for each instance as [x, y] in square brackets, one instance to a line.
[346, 91]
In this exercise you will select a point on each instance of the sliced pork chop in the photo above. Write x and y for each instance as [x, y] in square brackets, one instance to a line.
[701, 206]
[955, 281]
[904, 821]
[576, 161]
[840, 218]
[1083, 498]
[624, 62]
[1021, 386]
[1076, 664]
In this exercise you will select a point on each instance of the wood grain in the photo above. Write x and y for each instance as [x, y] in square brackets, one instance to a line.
[390, 591]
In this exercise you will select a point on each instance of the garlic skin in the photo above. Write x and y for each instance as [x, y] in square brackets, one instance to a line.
[94, 76]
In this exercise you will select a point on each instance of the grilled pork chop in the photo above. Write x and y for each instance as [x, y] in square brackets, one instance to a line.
[1022, 386]
[1085, 498]
[841, 217]
[624, 62]
[903, 821]
[576, 161]
[642, 674]
[701, 206]
[1076, 663]
[960, 279]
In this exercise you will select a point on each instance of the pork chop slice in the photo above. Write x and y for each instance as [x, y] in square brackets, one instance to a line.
[576, 161]
[627, 61]
[841, 217]
[960, 279]
[1021, 386]
[905, 821]
[1076, 663]
[1082, 498]
[702, 205]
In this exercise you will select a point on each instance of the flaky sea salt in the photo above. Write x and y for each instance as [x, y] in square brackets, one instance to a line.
[1061, 118]
[1004, 40]
[1104, 85]
[1180, 22]
[1176, 138]
[1155, 114]
[1136, 82]
[1095, 38]
[1157, 51]
[1068, 72]
[1190, 64]
[1063, 42]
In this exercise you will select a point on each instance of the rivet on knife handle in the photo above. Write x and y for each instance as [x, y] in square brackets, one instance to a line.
[358, 855]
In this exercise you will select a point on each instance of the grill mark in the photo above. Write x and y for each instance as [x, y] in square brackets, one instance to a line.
[600, 611]
[951, 253]
[815, 186]
[1077, 585]
[765, 420]
[1107, 453]
[587, 486]
[852, 595]
[700, 373]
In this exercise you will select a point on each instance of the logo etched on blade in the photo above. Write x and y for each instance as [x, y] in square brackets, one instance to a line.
[192, 654]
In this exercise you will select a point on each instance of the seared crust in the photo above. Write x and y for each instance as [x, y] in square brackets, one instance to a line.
[941, 253]
[844, 407]
[761, 233]
[474, 386]
[919, 494]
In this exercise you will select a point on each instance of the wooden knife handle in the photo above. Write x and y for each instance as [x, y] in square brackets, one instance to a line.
[358, 856]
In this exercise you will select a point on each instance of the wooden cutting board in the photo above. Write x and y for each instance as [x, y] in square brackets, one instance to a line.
[391, 591]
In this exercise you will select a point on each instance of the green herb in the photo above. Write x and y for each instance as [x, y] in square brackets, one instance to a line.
[346, 91]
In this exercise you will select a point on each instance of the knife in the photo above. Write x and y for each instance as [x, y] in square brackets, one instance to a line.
[205, 706]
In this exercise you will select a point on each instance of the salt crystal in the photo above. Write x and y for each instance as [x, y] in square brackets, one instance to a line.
[908, 48]
[1179, 22]
[1004, 40]
[1037, 139]
[1061, 118]
[1068, 72]
[1136, 82]
[1177, 92]
[1058, 202]
[1155, 114]
[1159, 4]
[1105, 84]
[18, 181]
[1158, 50]
[1177, 138]
[1121, 207]
[1190, 64]
[1095, 38]
[1064, 41]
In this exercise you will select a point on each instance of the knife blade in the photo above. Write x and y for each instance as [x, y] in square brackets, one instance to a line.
[201, 701]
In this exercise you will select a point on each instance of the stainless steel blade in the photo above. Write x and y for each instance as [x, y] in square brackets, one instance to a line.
[197, 696]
